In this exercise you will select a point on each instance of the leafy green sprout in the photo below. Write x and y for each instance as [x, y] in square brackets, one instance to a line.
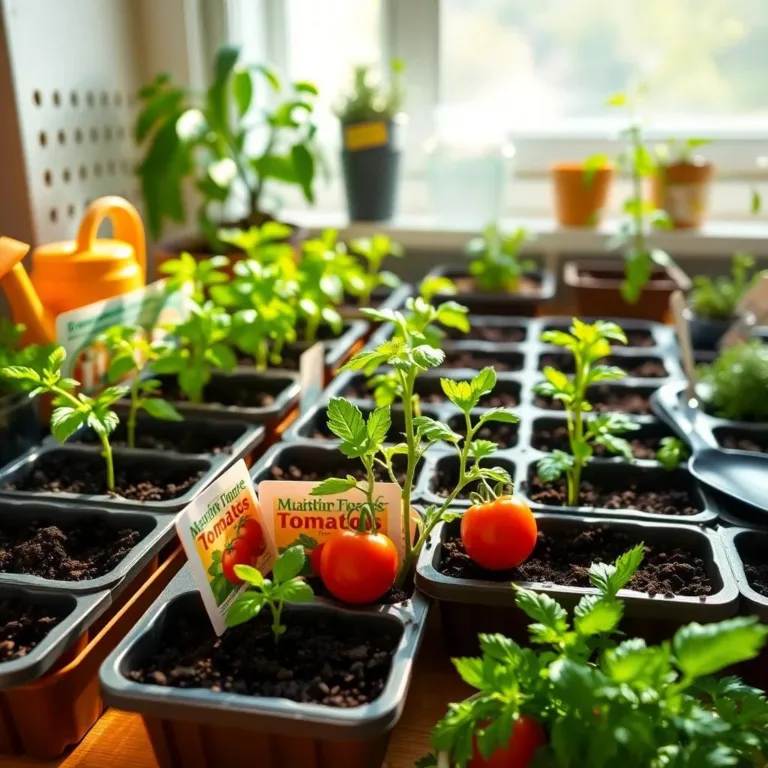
[605, 699]
[672, 453]
[588, 344]
[132, 354]
[374, 250]
[72, 411]
[370, 99]
[495, 258]
[679, 151]
[717, 298]
[14, 353]
[285, 586]
[194, 277]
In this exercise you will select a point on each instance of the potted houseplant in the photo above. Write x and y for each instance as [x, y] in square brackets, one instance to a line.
[712, 302]
[372, 125]
[581, 191]
[681, 184]
[499, 279]
[642, 288]
[206, 138]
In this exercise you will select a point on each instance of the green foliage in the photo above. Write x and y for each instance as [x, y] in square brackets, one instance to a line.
[373, 250]
[672, 452]
[606, 700]
[71, 411]
[717, 299]
[285, 586]
[206, 138]
[14, 353]
[588, 344]
[132, 354]
[738, 382]
[370, 99]
[679, 151]
[202, 347]
[192, 277]
[495, 259]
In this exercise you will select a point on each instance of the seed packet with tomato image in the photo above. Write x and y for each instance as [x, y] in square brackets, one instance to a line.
[293, 516]
[223, 527]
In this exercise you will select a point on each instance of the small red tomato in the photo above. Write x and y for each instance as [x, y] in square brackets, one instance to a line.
[315, 558]
[499, 534]
[358, 567]
[527, 737]
[237, 552]
[249, 529]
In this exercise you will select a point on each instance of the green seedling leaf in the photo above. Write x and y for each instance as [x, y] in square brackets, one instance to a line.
[288, 565]
[595, 615]
[550, 468]
[433, 430]
[500, 415]
[246, 607]
[671, 453]
[334, 485]
[378, 426]
[249, 574]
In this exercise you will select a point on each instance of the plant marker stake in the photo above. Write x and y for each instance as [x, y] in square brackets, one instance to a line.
[677, 304]
[751, 312]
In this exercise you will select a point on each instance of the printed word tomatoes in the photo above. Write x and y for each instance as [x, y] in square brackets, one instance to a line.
[237, 552]
[358, 567]
[499, 534]
[527, 737]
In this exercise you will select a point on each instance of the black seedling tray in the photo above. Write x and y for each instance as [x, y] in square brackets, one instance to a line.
[177, 719]
[156, 529]
[80, 611]
[25, 465]
[470, 606]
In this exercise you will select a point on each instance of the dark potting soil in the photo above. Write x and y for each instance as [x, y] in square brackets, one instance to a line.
[138, 481]
[504, 435]
[23, 626]
[445, 478]
[550, 439]
[754, 444]
[635, 338]
[295, 472]
[229, 392]
[607, 399]
[319, 660]
[643, 495]
[479, 360]
[641, 367]
[564, 560]
[184, 438]
[501, 334]
[757, 576]
[65, 552]
[395, 595]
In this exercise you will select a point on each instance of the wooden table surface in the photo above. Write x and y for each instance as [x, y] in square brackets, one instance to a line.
[118, 739]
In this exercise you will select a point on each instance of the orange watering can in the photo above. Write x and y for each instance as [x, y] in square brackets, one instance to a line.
[74, 273]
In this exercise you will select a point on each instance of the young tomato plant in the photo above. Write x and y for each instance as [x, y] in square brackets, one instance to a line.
[373, 251]
[285, 586]
[586, 695]
[588, 344]
[194, 278]
[672, 453]
[495, 259]
[132, 354]
[14, 353]
[71, 411]
[202, 347]
[717, 298]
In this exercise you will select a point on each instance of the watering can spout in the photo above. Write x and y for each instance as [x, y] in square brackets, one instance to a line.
[24, 302]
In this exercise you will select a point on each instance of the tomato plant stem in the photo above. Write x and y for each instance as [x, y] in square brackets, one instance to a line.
[130, 424]
[107, 454]
[277, 610]
[407, 380]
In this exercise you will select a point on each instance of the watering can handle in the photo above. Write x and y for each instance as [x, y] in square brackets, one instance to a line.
[126, 224]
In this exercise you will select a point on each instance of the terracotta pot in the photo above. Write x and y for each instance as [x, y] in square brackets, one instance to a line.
[682, 190]
[596, 285]
[580, 202]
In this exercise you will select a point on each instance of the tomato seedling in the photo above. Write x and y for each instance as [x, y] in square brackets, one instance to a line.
[588, 344]
[132, 354]
[285, 586]
[71, 411]
[318, 289]
[603, 699]
[495, 259]
[14, 353]
[373, 251]
[672, 453]
[717, 298]
[192, 277]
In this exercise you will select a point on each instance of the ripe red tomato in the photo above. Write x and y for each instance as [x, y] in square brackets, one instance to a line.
[527, 737]
[237, 552]
[358, 567]
[248, 528]
[315, 558]
[499, 534]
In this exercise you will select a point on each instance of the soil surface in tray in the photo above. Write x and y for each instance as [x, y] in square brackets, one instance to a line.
[186, 438]
[299, 471]
[430, 393]
[477, 360]
[23, 626]
[742, 442]
[564, 560]
[550, 439]
[501, 334]
[756, 570]
[318, 660]
[636, 338]
[66, 552]
[637, 367]
[504, 435]
[644, 495]
[446, 477]
[229, 391]
[76, 473]
[605, 399]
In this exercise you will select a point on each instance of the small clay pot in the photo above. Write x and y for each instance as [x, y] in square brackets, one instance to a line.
[579, 199]
[682, 190]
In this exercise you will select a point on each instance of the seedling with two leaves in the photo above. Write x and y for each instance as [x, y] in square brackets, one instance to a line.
[72, 411]
[373, 251]
[588, 344]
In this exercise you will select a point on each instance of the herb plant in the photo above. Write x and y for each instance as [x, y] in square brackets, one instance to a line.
[202, 347]
[606, 700]
[588, 344]
[495, 259]
[370, 99]
[71, 411]
[285, 586]
[192, 277]
[14, 353]
[738, 382]
[132, 354]
[672, 453]
[717, 298]
[680, 151]
[206, 137]
[373, 251]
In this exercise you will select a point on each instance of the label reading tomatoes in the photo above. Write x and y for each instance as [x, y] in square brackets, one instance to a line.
[293, 516]
[223, 527]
